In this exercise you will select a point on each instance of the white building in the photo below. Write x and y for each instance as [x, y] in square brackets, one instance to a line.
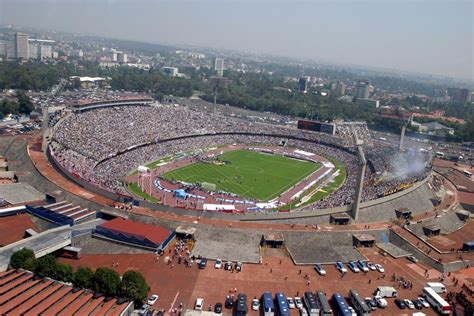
[170, 71]
[122, 57]
[219, 66]
[21, 46]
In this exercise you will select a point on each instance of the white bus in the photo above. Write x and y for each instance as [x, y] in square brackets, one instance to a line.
[439, 154]
[467, 173]
[438, 303]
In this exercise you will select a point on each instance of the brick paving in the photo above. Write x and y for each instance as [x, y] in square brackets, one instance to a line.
[180, 284]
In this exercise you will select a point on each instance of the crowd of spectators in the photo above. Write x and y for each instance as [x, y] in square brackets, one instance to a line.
[100, 146]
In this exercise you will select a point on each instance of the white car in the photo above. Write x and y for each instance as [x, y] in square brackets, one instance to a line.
[379, 268]
[409, 304]
[199, 304]
[381, 302]
[423, 302]
[371, 266]
[353, 312]
[255, 304]
[152, 300]
[291, 302]
[298, 302]
[218, 264]
[319, 268]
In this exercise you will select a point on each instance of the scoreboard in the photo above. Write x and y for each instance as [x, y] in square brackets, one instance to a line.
[321, 127]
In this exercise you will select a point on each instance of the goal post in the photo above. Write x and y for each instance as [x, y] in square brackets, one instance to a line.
[208, 186]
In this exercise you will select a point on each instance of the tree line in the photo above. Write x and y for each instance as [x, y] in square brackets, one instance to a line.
[131, 286]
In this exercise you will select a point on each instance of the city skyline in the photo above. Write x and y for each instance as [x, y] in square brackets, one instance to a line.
[417, 45]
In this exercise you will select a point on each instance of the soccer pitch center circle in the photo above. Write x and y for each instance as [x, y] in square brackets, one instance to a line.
[240, 178]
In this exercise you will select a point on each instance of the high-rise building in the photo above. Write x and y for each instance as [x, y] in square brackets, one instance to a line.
[219, 66]
[303, 83]
[457, 95]
[3, 49]
[361, 90]
[45, 52]
[21, 45]
[33, 49]
[122, 57]
[340, 89]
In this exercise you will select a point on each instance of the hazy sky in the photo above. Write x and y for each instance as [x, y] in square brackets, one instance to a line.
[421, 36]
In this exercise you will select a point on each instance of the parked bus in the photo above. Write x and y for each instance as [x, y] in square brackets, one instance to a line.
[438, 303]
[241, 308]
[268, 306]
[311, 303]
[467, 173]
[282, 303]
[359, 304]
[70, 252]
[325, 308]
[341, 305]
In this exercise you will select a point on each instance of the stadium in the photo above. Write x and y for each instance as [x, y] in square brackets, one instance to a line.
[188, 155]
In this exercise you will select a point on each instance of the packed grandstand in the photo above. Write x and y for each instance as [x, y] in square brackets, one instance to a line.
[103, 145]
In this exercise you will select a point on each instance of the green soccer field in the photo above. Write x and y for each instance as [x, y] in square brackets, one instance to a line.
[250, 174]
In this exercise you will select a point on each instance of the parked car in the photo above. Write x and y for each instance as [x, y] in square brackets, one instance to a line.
[218, 264]
[363, 266]
[372, 303]
[379, 268]
[409, 304]
[291, 302]
[341, 267]
[371, 266]
[400, 303]
[381, 302]
[353, 266]
[423, 302]
[229, 302]
[298, 302]
[238, 266]
[218, 308]
[417, 304]
[319, 268]
[303, 312]
[413, 259]
[352, 310]
[228, 266]
[255, 304]
[152, 300]
[202, 263]
[199, 304]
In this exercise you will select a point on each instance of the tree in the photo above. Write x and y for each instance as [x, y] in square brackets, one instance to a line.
[134, 286]
[83, 277]
[63, 272]
[46, 266]
[9, 107]
[24, 102]
[24, 259]
[106, 281]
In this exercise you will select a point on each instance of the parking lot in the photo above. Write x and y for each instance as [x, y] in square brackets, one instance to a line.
[176, 284]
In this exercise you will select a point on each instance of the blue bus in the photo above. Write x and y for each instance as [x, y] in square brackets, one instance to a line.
[241, 309]
[282, 303]
[341, 305]
[268, 306]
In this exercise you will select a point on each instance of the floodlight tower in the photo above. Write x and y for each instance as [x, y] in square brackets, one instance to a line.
[54, 92]
[356, 134]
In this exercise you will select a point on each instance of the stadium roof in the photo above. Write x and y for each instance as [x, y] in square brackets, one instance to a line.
[156, 234]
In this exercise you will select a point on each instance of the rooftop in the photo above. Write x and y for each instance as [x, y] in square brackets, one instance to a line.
[17, 193]
[156, 234]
